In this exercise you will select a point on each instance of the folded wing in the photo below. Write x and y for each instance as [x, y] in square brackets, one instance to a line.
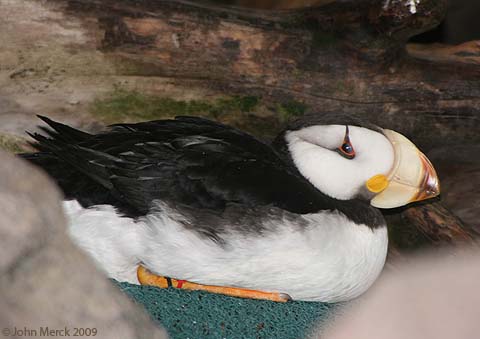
[188, 160]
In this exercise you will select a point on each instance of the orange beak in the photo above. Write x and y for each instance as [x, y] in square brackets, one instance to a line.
[412, 177]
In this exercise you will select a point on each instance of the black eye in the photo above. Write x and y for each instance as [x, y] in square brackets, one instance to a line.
[346, 150]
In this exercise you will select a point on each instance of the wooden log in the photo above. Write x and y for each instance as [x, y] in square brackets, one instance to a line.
[343, 56]
[465, 53]
[427, 225]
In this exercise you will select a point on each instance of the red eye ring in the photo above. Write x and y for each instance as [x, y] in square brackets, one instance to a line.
[346, 149]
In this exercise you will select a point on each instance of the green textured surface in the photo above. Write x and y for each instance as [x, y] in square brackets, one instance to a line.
[194, 314]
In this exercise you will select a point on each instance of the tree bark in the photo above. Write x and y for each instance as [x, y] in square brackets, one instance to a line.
[426, 226]
[344, 56]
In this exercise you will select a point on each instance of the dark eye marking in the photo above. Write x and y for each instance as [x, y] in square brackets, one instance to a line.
[346, 150]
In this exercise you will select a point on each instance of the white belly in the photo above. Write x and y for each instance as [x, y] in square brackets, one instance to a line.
[327, 259]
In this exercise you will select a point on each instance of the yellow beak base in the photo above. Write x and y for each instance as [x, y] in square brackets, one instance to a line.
[377, 183]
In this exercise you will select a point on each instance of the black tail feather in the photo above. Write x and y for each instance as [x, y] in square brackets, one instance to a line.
[65, 133]
[60, 155]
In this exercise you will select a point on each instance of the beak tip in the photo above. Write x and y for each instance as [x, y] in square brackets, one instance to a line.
[430, 187]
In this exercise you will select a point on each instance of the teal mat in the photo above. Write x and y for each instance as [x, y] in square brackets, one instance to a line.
[195, 314]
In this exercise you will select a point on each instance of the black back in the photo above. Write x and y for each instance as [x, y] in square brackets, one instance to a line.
[189, 161]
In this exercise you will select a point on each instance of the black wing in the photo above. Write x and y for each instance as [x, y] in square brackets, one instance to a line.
[188, 160]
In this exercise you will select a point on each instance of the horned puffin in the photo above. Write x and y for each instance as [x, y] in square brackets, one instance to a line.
[203, 202]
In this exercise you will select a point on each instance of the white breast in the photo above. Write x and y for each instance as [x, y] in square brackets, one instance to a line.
[327, 259]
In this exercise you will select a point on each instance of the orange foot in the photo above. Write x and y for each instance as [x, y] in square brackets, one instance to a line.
[145, 277]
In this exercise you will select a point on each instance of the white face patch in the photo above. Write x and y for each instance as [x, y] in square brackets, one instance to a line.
[313, 152]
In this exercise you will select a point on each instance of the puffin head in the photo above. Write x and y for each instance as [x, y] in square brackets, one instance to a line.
[346, 158]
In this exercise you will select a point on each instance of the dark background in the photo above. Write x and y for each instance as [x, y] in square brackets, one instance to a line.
[461, 24]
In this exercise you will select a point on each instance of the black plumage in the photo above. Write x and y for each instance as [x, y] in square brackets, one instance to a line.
[188, 161]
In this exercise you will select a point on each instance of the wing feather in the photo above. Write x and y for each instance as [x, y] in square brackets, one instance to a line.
[188, 160]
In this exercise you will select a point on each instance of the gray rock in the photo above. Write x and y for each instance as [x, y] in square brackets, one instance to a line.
[46, 283]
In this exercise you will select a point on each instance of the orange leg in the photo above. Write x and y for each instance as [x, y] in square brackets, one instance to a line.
[145, 277]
